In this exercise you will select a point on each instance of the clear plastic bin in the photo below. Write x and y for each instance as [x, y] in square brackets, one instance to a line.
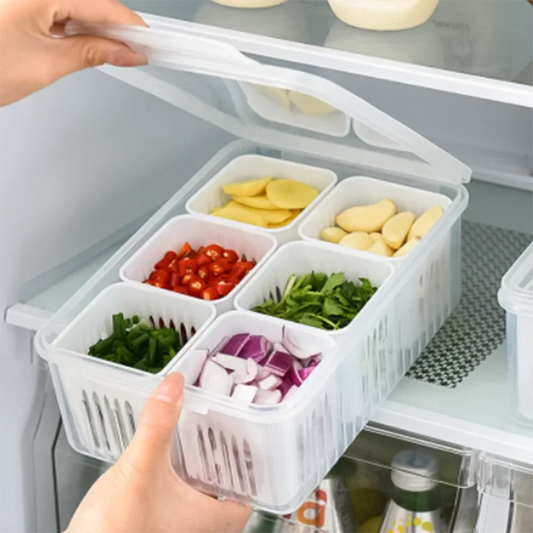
[516, 297]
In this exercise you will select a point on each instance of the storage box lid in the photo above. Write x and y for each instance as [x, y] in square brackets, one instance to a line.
[271, 105]
[516, 293]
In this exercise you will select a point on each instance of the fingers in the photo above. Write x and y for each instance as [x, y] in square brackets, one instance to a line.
[232, 517]
[152, 441]
[82, 51]
[96, 11]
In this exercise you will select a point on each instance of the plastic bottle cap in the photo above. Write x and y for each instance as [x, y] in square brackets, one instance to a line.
[414, 471]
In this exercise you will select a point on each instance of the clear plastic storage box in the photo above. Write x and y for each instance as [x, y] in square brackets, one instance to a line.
[516, 297]
[270, 458]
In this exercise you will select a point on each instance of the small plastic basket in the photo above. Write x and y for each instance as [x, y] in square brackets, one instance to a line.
[89, 385]
[303, 258]
[516, 297]
[211, 195]
[361, 190]
[200, 231]
[250, 452]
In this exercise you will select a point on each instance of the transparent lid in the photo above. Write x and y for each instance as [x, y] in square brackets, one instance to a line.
[275, 106]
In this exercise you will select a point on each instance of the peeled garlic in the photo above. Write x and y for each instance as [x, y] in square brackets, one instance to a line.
[367, 218]
[425, 222]
[396, 229]
[334, 235]
[360, 240]
[380, 248]
[407, 247]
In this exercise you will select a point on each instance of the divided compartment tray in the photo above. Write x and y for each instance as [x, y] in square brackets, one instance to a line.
[249, 167]
[101, 418]
[260, 455]
[200, 231]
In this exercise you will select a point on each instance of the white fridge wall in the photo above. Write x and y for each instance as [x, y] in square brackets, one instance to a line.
[78, 163]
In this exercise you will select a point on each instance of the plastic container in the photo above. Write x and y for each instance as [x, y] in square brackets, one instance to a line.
[100, 419]
[516, 297]
[198, 232]
[211, 195]
[236, 450]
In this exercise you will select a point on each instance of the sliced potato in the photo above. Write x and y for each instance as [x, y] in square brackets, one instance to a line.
[360, 240]
[309, 105]
[395, 230]
[334, 235]
[294, 214]
[281, 96]
[240, 216]
[425, 222]
[369, 218]
[270, 216]
[381, 248]
[407, 247]
[290, 194]
[247, 188]
[258, 202]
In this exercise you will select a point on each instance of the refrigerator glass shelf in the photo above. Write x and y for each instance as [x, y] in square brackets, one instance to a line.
[481, 48]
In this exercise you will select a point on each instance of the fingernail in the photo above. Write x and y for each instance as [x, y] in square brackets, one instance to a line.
[170, 390]
[126, 58]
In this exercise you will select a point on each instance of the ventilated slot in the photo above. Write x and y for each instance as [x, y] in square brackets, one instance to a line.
[248, 462]
[227, 460]
[124, 440]
[90, 419]
[238, 464]
[112, 423]
[101, 420]
[131, 418]
[215, 454]
[207, 475]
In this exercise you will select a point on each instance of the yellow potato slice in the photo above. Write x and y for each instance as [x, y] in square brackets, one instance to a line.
[407, 247]
[395, 230]
[281, 96]
[247, 188]
[270, 216]
[258, 202]
[290, 194]
[294, 214]
[334, 235]
[425, 222]
[309, 105]
[377, 237]
[240, 216]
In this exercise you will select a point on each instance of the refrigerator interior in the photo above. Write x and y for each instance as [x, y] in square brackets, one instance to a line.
[91, 158]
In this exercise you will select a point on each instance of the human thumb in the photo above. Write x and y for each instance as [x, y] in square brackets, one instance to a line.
[152, 441]
[84, 51]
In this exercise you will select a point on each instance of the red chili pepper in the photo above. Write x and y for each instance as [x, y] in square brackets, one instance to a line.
[225, 287]
[181, 289]
[237, 272]
[219, 267]
[185, 251]
[213, 251]
[200, 250]
[247, 265]
[230, 255]
[188, 266]
[185, 279]
[203, 273]
[203, 260]
[160, 276]
[174, 280]
[210, 294]
[196, 286]
[167, 259]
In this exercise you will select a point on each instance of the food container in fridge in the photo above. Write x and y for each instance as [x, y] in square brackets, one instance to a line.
[245, 240]
[211, 196]
[516, 297]
[202, 77]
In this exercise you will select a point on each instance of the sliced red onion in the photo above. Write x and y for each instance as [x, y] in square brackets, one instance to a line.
[278, 347]
[244, 393]
[218, 347]
[270, 383]
[279, 363]
[235, 345]
[252, 368]
[313, 361]
[230, 362]
[292, 391]
[293, 349]
[305, 372]
[267, 397]
[286, 384]
[192, 366]
[215, 379]
[257, 348]
[263, 373]
[294, 373]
